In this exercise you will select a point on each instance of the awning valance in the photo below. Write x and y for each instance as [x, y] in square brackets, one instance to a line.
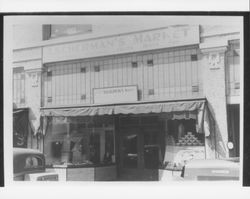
[163, 107]
[166, 107]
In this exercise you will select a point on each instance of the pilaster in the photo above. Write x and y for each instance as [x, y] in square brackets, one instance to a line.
[213, 63]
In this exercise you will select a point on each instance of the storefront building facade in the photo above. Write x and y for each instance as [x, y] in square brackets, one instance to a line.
[130, 106]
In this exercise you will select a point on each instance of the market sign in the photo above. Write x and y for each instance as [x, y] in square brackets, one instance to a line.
[115, 95]
[125, 43]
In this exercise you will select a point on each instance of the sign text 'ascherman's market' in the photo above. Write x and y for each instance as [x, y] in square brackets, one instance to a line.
[126, 43]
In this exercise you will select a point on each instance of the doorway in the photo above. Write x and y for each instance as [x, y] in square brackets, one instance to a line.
[234, 129]
[140, 154]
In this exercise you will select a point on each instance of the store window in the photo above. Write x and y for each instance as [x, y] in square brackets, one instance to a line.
[183, 133]
[233, 66]
[182, 143]
[19, 86]
[81, 140]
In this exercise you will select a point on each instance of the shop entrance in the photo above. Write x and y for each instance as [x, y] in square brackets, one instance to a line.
[140, 154]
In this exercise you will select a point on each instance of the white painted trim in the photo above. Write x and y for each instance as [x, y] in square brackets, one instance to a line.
[215, 44]
[233, 99]
[34, 70]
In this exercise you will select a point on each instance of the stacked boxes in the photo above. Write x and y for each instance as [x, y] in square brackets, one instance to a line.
[189, 140]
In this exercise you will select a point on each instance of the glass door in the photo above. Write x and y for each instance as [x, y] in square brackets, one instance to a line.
[131, 153]
[151, 149]
[130, 150]
[139, 151]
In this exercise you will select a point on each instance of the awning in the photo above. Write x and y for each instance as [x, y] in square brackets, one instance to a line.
[166, 107]
[83, 111]
[177, 110]
[163, 107]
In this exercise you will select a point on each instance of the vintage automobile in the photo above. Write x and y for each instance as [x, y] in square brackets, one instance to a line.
[212, 169]
[29, 165]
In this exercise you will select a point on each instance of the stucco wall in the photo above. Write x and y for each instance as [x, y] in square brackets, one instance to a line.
[24, 34]
[213, 63]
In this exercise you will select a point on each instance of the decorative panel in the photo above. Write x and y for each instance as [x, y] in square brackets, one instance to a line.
[170, 74]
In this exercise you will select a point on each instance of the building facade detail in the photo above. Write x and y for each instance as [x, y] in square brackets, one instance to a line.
[124, 105]
[215, 90]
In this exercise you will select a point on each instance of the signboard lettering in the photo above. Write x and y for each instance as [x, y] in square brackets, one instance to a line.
[133, 42]
[115, 95]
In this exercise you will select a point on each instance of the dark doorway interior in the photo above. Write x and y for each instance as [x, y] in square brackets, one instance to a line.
[234, 129]
[20, 127]
[140, 153]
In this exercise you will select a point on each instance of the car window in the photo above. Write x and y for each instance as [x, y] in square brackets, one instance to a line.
[32, 162]
[28, 163]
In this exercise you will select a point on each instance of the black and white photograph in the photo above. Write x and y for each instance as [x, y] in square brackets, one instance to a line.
[126, 98]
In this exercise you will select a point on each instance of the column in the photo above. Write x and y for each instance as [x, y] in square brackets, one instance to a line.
[213, 63]
[33, 100]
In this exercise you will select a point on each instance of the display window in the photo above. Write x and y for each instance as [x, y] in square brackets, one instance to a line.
[183, 133]
[80, 141]
[183, 143]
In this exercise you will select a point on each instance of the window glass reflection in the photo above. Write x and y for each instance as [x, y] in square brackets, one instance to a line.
[80, 141]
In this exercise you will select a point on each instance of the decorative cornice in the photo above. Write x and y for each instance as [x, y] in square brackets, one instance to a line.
[35, 70]
[216, 46]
